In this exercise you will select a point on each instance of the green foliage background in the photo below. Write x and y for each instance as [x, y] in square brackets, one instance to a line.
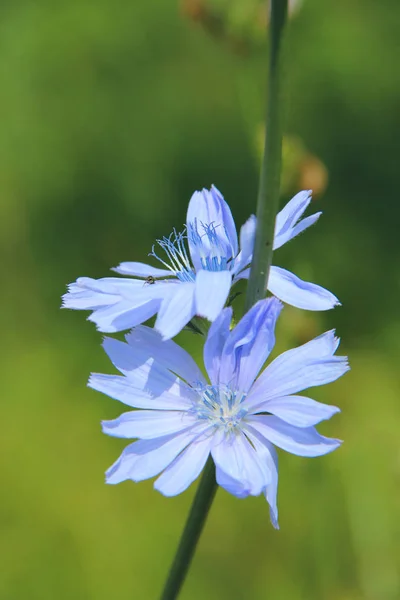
[113, 113]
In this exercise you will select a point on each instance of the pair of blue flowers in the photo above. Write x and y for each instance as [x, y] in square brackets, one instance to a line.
[237, 415]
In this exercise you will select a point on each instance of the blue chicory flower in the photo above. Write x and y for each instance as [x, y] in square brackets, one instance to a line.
[199, 267]
[237, 416]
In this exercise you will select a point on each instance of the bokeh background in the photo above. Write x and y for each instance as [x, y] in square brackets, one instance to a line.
[112, 114]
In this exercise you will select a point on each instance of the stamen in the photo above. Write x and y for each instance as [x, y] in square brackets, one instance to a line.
[178, 259]
[212, 249]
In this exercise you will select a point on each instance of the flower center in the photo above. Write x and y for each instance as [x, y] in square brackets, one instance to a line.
[221, 406]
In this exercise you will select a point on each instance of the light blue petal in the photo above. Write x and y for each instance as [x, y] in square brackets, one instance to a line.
[212, 291]
[147, 343]
[245, 274]
[146, 458]
[299, 293]
[307, 366]
[272, 489]
[287, 218]
[81, 298]
[206, 208]
[227, 220]
[122, 315]
[236, 458]
[215, 342]
[292, 211]
[176, 311]
[89, 294]
[302, 441]
[268, 456]
[141, 270]
[232, 486]
[117, 303]
[120, 388]
[144, 372]
[148, 424]
[126, 358]
[298, 410]
[304, 224]
[111, 285]
[249, 345]
[185, 469]
[247, 237]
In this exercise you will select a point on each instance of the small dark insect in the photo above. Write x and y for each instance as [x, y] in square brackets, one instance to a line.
[149, 280]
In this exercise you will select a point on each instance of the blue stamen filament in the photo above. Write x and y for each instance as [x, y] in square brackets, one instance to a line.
[214, 255]
[175, 249]
[211, 248]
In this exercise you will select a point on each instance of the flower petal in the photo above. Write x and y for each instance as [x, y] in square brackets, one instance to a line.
[237, 461]
[89, 294]
[302, 294]
[117, 304]
[245, 274]
[209, 207]
[146, 458]
[185, 468]
[269, 457]
[212, 291]
[139, 269]
[233, 486]
[227, 220]
[143, 371]
[305, 224]
[272, 490]
[82, 298]
[176, 311]
[122, 315]
[297, 410]
[286, 219]
[308, 365]
[120, 388]
[247, 237]
[249, 345]
[215, 342]
[148, 343]
[147, 424]
[110, 285]
[302, 441]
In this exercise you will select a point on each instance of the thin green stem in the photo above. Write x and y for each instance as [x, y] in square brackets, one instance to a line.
[268, 192]
[191, 534]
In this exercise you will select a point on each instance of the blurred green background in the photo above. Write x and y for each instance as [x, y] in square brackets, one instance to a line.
[113, 113]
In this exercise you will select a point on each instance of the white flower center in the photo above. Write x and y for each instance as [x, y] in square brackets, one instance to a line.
[221, 406]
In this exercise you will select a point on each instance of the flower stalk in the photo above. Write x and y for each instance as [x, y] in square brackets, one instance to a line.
[194, 525]
[267, 208]
[268, 191]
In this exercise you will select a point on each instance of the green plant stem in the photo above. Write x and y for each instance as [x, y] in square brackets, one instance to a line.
[193, 528]
[268, 191]
[267, 207]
